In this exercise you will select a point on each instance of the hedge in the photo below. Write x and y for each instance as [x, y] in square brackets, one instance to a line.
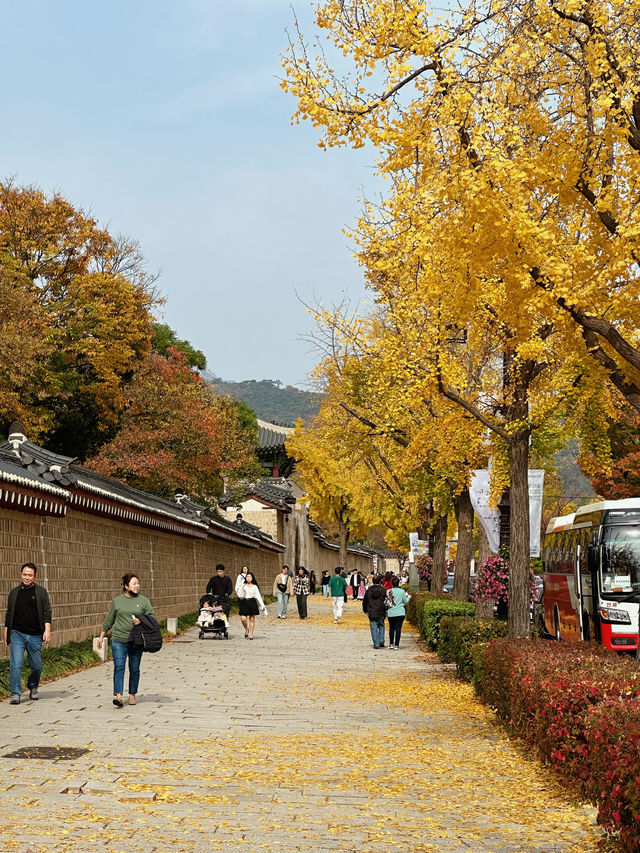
[578, 707]
[458, 637]
[434, 608]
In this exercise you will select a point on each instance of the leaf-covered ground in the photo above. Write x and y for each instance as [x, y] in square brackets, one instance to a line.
[306, 739]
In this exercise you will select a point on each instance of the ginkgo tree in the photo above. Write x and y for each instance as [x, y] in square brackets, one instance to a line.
[509, 133]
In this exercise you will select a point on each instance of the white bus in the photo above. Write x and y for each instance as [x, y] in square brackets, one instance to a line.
[591, 564]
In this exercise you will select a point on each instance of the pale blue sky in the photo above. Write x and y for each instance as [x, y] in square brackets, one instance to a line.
[165, 120]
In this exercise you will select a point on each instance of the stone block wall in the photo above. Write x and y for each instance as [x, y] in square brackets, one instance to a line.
[82, 557]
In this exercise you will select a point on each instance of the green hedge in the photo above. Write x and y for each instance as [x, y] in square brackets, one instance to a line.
[435, 607]
[459, 635]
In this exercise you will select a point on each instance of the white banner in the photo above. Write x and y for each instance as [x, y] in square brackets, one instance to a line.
[536, 485]
[489, 518]
[417, 547]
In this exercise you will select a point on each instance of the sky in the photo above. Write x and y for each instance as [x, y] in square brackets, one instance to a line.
[164, 119]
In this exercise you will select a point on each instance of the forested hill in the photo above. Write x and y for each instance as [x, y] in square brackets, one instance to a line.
[269, 399]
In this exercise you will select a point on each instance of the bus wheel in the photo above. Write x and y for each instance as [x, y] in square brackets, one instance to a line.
[586, 627]
[556, 622]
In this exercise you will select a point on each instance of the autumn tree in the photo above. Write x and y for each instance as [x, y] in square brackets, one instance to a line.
[164, 337]
[176, 435]
[466, 113]
[619, 476]
[326, 460]
[91, 294]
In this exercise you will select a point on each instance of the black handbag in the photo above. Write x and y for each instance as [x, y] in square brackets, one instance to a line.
[282, 587]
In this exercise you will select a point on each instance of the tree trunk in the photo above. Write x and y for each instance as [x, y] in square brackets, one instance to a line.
[519, 623]
[439, 576]
[484, 606]
[464, 517]
[344, 544]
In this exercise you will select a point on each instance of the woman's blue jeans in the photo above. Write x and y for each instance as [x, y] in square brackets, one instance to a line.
[122, 651]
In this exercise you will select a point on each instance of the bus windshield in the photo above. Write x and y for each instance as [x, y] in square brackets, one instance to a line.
[620, 559]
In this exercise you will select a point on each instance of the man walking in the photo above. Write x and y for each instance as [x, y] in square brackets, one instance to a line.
[337, 587]
[282, 589]
[220, 584]
[373, 606]
[27, 626]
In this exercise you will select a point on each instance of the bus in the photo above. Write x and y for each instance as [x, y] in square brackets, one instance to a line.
[591, 575]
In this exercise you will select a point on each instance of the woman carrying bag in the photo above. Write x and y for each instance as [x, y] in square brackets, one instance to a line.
[125, 612]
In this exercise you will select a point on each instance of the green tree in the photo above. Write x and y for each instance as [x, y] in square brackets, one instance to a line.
[164, 337]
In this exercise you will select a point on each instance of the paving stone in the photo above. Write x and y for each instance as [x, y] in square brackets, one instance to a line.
[169, 771]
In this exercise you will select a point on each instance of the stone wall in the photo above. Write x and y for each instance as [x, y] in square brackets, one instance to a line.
[82, 557]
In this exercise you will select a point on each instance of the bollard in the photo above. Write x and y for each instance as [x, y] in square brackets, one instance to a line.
[102, 653]
[172, 625]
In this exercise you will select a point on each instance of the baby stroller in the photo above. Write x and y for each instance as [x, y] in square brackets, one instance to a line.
[216, 627]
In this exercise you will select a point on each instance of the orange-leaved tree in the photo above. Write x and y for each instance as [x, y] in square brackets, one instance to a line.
[176, 435]
[90, 297]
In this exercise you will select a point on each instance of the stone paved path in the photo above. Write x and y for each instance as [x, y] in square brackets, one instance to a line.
[304, 739]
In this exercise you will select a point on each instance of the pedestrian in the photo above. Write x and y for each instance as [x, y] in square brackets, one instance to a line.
[240, 580]
[312, 582]
[325, 583]
[220, 584]
[301, 589]
[251, 604]
[124, 612]
[374, 606]
[386, 581]
[354, 582]
[396, 613]
[337, 587]
[282, 590]
[362, 588]
[27, 625]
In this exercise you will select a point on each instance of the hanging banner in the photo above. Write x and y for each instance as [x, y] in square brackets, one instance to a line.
[536, 485]
[489, 518]
[417, 547]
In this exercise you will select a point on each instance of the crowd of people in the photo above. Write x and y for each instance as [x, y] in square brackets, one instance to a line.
[134, 629]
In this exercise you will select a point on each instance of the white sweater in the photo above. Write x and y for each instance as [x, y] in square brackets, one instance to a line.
[251, 591]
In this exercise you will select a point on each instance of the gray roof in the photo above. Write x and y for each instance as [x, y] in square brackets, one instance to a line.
[272, 435]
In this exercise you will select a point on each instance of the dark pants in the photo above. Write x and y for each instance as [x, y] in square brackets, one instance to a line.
[301, 601]
[395, 629]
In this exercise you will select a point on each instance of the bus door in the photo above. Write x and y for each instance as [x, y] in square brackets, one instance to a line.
[593, 569]
[578, 583]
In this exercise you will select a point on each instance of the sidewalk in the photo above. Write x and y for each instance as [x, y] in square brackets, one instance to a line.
[304, 739]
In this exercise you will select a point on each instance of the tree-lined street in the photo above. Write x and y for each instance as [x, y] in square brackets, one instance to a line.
[305, 739]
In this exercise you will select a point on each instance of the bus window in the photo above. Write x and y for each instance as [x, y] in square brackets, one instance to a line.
[621, 559]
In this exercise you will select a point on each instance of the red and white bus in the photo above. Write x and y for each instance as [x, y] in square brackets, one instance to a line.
[591, 564]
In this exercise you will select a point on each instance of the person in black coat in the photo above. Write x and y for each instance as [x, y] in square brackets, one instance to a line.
[374, 606]
[220, 584]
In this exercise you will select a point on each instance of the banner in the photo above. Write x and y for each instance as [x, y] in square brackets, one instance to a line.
[417, 547]
[489, 518]
[536, 485]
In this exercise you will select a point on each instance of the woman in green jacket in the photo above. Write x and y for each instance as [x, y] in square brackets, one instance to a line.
[396, 614]
[123, 614]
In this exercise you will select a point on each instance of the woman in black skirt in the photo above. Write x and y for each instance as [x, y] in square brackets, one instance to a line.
[250, 605]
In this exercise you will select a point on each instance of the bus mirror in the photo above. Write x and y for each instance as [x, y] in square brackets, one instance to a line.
[592, 557]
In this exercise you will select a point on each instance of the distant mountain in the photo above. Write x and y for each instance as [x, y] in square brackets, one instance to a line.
[269, 399]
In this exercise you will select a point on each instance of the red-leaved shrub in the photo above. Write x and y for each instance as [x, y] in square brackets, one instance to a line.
[578, 706]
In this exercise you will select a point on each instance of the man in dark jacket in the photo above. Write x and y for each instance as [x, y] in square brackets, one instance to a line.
[373, 606]
[220, 584]
[27, 626]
